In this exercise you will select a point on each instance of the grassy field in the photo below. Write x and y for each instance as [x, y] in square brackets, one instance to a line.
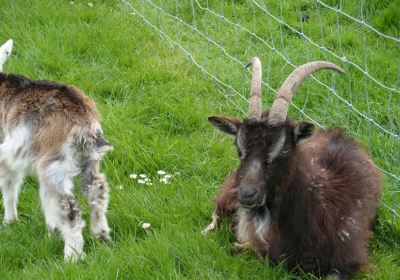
[154, 104]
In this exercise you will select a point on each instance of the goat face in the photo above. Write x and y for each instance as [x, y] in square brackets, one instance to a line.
[266, 144]
[265, 152]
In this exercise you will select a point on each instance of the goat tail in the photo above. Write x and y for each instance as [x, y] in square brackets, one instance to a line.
[91, 139]
[101, 145]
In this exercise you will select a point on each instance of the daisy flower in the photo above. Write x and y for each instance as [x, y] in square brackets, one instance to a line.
[161, 172]
[146, 225]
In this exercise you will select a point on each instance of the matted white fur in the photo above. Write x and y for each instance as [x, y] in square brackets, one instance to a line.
[5, 52]
[15, 147]
[61, 172]
[17, 160]
[78, 152]
[55, 175]
[13, 167]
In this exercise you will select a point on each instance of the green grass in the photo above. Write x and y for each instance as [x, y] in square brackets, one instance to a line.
[154, 104]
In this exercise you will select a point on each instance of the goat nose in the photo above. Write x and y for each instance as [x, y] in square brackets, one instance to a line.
[248, 193]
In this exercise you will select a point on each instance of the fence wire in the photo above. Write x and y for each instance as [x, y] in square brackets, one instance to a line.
[219, 38]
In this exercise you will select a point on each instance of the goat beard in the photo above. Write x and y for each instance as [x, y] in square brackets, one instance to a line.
[261, 211]
[266, 208]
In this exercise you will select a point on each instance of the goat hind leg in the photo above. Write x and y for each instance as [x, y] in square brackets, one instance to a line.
[62, 212]
[96, 191]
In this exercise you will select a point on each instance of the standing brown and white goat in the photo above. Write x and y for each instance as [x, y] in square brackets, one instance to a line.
[301, 197]
[53, 131]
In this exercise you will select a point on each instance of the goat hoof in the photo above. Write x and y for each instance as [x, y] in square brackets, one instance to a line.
[10, 221]
[104, 236]
[209, 228]
[74, 257]
[213, 225]
[240, 247]
[336, 275]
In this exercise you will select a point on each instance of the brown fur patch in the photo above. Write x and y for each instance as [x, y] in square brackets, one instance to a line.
[226, 202]
[324, 194]
[51, 109]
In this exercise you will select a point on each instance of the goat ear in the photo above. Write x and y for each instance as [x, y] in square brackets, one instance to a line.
[225, 124]
[303, 130]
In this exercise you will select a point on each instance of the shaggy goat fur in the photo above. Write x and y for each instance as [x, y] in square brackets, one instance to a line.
[304, 198]
[53, 131]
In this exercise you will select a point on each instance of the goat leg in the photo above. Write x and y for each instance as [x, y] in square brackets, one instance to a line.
[214, 223]
[242, 247]
[226, 203]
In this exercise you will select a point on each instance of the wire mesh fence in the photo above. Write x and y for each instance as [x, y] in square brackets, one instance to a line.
[220, 37]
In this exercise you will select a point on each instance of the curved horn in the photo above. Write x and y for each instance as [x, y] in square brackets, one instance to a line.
[255, 94]
[281, 103]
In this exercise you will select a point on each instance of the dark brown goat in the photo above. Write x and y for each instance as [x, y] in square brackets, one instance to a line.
[301, 197]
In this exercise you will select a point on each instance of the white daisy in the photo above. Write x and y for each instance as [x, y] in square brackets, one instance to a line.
[140, 181]
[90, 4]
[146, 225]
[133, 176]
[142, 175]
[161, 172]
[164, 181]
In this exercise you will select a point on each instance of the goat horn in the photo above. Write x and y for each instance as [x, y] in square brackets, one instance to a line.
[281, 103]
[255, 94]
